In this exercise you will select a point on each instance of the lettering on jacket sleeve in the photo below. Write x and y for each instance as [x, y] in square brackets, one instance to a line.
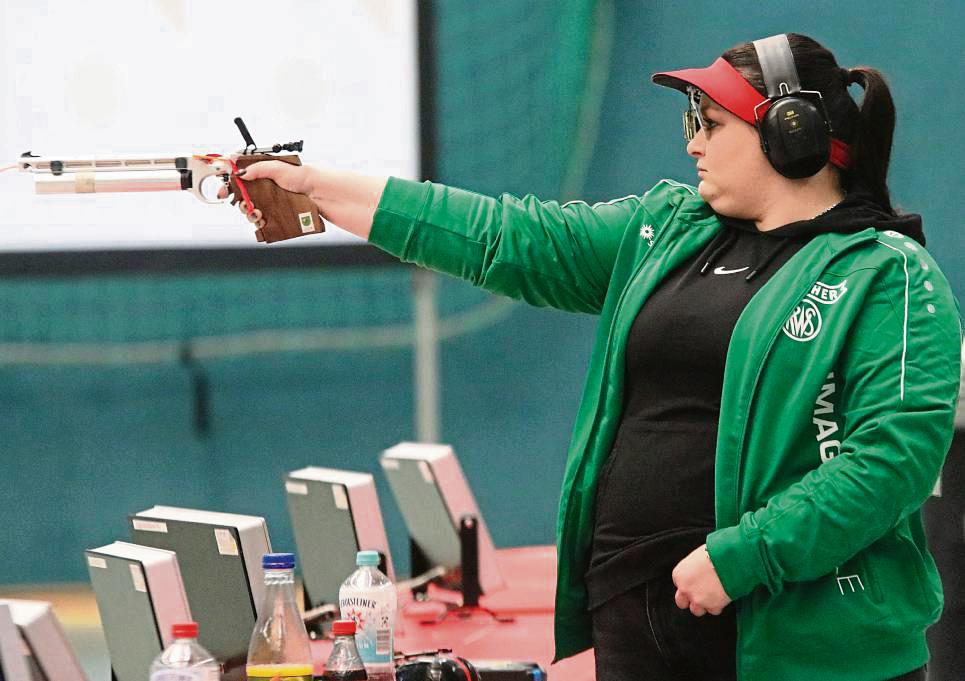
[829, 446]
[825, 420]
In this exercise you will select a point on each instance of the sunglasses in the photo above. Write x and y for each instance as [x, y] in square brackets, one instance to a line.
[693, 119]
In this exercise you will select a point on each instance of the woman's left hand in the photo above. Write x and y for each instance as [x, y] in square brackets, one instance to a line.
[698, 586]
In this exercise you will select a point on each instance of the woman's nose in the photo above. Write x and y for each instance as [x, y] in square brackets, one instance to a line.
[695, 147]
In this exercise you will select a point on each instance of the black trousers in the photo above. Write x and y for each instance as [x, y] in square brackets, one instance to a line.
[642, 635]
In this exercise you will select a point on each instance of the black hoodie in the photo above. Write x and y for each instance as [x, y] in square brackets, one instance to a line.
[856, 212]
[655, 498]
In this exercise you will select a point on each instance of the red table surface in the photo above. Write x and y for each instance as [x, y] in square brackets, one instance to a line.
[530, 576]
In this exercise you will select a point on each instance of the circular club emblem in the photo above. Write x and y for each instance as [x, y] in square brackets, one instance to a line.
[804, 323]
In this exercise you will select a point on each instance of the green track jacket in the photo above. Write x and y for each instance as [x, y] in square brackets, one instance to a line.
[837, 411]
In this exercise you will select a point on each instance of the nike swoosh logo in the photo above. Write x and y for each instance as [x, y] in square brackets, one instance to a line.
[721, 270]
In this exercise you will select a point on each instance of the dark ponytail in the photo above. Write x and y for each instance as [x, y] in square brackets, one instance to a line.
[869, 130]
[871, 146]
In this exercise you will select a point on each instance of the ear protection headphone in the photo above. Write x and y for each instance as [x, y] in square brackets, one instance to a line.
[441, 665]
[795, 131]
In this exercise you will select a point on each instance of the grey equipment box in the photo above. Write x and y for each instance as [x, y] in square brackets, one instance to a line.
[140, 597]
[433, 495]
[334, 514]
[43, 647]
[220, 559]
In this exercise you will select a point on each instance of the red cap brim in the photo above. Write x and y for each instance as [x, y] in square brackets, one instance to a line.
[722, 83]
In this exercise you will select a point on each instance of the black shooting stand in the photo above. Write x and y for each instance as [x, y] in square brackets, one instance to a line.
[468, 575]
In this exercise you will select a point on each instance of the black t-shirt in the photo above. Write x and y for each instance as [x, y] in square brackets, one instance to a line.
[655, 496]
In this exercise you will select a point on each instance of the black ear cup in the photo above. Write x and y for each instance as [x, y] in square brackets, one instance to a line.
[795, 137]
[795, 131]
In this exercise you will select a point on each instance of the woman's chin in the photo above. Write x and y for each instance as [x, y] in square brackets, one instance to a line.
[706, 192]
[712, 196]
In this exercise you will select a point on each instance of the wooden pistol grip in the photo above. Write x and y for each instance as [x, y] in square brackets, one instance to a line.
[286, 213]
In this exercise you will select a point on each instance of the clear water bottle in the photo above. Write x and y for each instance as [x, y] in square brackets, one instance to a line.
[369, 598]
[344, 664]
[279, 645]
[185, 660]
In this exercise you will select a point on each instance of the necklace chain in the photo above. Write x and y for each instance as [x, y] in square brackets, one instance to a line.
[826, 209]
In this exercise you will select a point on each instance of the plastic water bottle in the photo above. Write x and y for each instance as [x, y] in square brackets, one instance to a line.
[369, 598]
[185, 660]
[279, 645]
[344, 664]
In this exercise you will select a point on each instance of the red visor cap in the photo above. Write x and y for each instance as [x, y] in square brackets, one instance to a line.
[722, 83]
[726, 86]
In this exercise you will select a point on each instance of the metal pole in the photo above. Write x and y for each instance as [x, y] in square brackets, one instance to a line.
[426, 360]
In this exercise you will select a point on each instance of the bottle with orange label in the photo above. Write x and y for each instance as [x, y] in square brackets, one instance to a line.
[279, 648]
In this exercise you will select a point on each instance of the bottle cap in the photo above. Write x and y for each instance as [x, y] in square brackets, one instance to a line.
[343, 628]
[185, 630]
[278, 561]
[367, 558]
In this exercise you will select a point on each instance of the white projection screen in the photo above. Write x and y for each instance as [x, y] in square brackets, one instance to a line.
[168, 77]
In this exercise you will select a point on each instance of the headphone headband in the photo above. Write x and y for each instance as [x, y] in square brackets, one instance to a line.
[777, 66]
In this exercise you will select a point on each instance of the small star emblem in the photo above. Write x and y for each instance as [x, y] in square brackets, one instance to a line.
[358, 616]
[647, 233]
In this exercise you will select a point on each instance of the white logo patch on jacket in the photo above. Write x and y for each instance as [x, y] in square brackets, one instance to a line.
[805, 321]
[647, 233]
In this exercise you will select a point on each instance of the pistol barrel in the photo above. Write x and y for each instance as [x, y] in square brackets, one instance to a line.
[97, 182]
